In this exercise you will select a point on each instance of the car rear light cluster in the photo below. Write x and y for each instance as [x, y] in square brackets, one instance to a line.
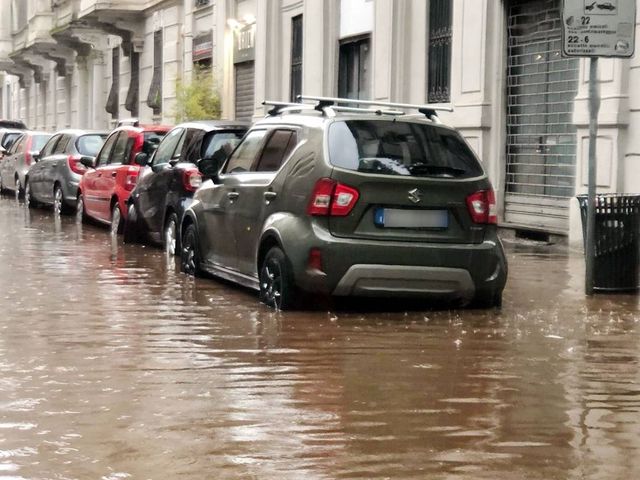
[482, 207]
[331, 198]
[75, 166]
[28, 158]
[131, 179]
[191, 180]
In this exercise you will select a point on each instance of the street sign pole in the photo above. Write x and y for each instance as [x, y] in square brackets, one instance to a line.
[596, 29]
[594, 107]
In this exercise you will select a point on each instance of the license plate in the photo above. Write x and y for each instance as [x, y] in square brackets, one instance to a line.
[400, 218]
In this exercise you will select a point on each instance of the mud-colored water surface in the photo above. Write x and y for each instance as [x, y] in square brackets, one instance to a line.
[114, 365]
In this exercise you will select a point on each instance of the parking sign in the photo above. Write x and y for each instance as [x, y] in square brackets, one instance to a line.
[598, 28]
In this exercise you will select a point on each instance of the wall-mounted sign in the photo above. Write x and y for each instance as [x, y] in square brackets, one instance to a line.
[598, 28]
[244, 43]
[203, 46]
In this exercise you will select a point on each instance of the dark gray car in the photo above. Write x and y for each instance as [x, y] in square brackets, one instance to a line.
[335, 202]
[19, 158]
[53, 179]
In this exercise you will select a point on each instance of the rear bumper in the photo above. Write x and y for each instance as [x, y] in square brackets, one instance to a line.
[407, 269]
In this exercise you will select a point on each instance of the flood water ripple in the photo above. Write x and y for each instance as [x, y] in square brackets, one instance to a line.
[114, 365]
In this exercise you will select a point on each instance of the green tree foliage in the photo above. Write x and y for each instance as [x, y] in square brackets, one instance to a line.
[198, 99]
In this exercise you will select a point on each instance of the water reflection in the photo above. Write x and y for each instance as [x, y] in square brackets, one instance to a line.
[115, 365]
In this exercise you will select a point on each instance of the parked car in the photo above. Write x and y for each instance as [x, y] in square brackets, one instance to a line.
[54, 177]
[166, 185]
[348, 204]
[105, 188]
[19, 158]
[14, 124]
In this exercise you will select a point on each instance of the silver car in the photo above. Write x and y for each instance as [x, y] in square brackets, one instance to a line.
[53, 179]
[19, 158]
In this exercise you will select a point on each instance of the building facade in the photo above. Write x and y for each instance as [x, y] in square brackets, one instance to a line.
[521, 105]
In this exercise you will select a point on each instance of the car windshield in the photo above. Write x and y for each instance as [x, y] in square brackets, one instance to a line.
[389, 147]
[89, 145]
[151, 141]
[221, 143]
[38, 142]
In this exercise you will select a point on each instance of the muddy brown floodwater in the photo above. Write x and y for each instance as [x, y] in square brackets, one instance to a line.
[114, 365]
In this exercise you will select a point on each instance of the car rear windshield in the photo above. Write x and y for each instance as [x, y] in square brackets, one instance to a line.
[38, 141]
[389, 147]
[90, 145]
[9, 138]
[221, 143]
[151, 141]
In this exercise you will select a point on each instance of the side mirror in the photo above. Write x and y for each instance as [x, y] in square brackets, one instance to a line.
[88, 162]
[210, 167]
[141, 159]
[35, 156]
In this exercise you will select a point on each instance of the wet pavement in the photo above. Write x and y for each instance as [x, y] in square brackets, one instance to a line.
[114, 365]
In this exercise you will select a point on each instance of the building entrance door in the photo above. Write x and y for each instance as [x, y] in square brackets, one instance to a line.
[541, 138]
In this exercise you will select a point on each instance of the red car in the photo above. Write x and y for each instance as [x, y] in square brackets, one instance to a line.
[105, 188]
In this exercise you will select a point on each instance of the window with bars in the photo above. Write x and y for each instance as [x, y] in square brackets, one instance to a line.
[353, 73]
[296, 57]
[440, 33]
[154, 98]
[113, 100]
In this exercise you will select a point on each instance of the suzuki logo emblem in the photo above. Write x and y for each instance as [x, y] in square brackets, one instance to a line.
[415, 195]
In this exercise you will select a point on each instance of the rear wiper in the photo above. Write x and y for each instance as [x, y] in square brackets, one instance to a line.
[438, 170]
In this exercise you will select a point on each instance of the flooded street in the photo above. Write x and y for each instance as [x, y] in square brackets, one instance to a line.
[115, 365]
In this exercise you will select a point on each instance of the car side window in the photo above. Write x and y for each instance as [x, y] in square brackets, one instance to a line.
[119, 150]
[49, 146]
[277, 148]
[246, 152]
[165, 150]
[103, 157]
[61, 145]
[193, 148]
[18, 146]
[185, 141]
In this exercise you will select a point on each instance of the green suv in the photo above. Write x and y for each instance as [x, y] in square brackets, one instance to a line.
[327, 199]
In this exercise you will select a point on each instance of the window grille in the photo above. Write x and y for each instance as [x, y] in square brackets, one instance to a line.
[440, 33]
[353, 74]
[154, 98]
[113, 100]
[296, 57]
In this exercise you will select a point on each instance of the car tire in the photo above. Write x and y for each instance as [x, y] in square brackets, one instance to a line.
[59, 207]
[190, 252]
[488, 300]
[1, 186]
[29, 202]
[81, 215]
[277, 288]
[170, 235]
[131, 233]
[117, 222]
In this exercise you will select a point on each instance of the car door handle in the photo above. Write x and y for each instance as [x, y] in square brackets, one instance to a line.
[270, 196]
[113, 174]
[233, 195]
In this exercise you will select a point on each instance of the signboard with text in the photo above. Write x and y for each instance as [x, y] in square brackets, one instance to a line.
[598, 28]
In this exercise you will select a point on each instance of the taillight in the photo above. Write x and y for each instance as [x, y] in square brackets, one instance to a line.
[27, 154]
[75, 166]
[131, 179]
[191, 180]
[331, 198]
[482, 207]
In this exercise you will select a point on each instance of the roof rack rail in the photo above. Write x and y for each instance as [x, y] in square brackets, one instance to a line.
[129, 122]
[279, 107]
[429, 111]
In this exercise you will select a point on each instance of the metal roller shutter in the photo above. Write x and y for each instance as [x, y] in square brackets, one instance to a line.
[244, 90]
[541, 138]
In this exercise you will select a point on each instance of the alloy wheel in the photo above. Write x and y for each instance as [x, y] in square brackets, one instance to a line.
[57, 200]
[18, 188]
[271, 283]
[170, 236]
[28, 201]
[116, 219]
[80, 209]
